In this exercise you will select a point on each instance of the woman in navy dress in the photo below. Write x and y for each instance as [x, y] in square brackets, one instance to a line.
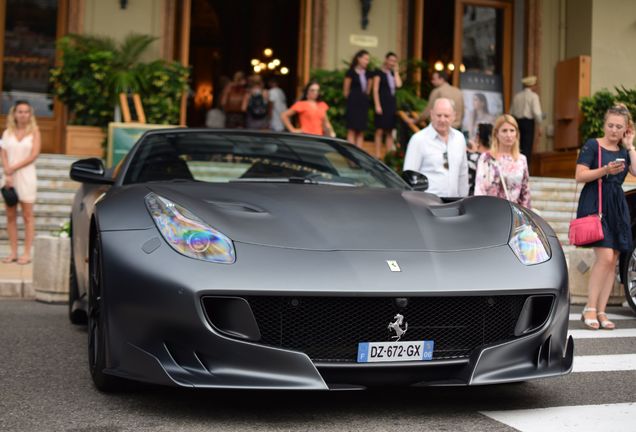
[617, 157]
[385, 84]
[356, 89]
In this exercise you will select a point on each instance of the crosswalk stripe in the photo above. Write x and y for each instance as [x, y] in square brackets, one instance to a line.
[602, 334]
[611, 316]
[604, 363]
[606, 417]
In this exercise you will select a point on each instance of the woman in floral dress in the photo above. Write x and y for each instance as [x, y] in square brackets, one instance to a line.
[503, 171]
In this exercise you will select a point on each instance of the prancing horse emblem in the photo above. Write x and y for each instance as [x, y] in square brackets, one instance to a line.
[396, 326]
[393, 265]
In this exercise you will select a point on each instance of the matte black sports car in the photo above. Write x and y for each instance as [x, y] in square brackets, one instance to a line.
[236, 259]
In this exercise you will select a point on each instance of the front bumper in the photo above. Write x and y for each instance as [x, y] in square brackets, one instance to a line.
[158, 332]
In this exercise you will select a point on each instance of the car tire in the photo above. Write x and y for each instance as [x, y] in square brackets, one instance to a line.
[76, 316]
[97, 336]
[629, 279]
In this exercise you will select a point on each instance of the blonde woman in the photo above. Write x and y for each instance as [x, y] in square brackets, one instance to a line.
[20, 149]
[503, 170]
[617, 157]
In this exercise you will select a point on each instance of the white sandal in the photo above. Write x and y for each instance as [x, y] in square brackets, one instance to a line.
[592, 324]
[605, 324]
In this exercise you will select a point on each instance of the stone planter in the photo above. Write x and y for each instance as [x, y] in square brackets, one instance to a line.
[51, 261]
[85, 141]
[579, 266]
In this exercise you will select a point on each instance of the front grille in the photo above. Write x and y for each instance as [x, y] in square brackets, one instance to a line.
[328, 329]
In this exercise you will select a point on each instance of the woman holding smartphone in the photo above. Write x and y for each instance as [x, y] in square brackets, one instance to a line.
[617, 158]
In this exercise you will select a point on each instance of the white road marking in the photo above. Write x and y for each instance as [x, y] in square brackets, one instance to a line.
[604, 363]
[610, 316]
[606, 417]
[602, 334]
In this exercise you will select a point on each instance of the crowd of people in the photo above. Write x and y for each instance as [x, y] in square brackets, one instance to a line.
[490, 156]
[247, 103]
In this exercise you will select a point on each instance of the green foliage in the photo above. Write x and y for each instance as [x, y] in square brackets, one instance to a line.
[165, 82]
[395, 159]
[95, 70]
[64, 230]
[82, 81]
[595, 106]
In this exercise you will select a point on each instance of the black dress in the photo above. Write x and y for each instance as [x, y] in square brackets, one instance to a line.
[357, 114]
[388, 103]
[616, 218]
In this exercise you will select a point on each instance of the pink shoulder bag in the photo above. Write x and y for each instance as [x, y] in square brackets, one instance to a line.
[589, 229]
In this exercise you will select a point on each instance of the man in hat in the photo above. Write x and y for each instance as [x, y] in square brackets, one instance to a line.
[526, 109]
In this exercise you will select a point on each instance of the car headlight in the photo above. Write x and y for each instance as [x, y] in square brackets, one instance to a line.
[187, 234]
[527, 239]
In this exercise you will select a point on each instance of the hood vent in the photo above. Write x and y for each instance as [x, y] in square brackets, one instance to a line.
[236, 206]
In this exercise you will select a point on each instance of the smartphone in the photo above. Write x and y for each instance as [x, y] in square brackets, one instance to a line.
[620, 160]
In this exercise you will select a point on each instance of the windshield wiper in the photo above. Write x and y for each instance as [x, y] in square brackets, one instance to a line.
[292, 179]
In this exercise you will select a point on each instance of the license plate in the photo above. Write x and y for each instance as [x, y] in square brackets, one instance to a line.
[370, 352]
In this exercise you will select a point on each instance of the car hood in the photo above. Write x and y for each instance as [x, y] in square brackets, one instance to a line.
[321, 217]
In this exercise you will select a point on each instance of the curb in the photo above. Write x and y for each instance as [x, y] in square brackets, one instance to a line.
[11, 288]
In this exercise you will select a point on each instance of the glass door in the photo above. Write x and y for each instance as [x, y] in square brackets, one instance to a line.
[27, 53]
[482, 53]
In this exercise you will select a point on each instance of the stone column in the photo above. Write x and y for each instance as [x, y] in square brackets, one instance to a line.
[579, 265]
[51, 261]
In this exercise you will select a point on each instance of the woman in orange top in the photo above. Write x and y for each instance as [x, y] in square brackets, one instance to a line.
[312, 113]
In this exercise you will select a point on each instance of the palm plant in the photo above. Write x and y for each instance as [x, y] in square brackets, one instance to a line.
[95, 70]
[127, 76]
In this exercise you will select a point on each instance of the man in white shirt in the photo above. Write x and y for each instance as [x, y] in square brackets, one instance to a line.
[439, 152]
[279, 105]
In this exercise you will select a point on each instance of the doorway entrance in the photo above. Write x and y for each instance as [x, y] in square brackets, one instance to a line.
[28, 31]
[248, 35]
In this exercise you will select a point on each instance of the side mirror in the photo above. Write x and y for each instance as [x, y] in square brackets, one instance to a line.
[90, 171]
[418, 181]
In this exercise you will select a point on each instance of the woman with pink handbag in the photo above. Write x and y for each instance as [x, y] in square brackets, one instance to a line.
[602, 165]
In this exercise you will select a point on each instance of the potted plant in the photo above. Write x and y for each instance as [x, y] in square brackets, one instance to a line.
[95, 70]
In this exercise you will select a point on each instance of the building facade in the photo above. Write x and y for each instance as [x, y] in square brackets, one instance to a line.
[482, 44]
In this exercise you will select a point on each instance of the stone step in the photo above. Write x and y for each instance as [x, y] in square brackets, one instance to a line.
[52, 210]
[552, 216]
[549, 205]
[553, 195]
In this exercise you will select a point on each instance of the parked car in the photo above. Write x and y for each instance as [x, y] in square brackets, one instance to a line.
[238, 259]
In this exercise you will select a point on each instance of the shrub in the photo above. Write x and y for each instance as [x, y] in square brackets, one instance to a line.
[595, 106]
[95, 70]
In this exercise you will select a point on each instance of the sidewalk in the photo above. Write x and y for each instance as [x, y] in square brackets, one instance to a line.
[16, 280]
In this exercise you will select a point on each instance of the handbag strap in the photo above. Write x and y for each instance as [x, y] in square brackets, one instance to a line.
[503, 179]
[600, 181]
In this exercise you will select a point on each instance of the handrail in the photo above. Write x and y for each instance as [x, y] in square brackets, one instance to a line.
[410, 119]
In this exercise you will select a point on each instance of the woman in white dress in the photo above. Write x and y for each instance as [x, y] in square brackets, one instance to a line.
[20, 149]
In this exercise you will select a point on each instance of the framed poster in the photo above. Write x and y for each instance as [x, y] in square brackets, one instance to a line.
[122, 136]
[483, 100]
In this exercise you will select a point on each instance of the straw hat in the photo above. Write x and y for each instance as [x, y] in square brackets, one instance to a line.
[529, 81]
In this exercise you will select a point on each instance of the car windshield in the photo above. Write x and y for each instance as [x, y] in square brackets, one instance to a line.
[229, 156]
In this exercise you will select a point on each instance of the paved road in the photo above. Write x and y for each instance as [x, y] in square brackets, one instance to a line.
[45, 386]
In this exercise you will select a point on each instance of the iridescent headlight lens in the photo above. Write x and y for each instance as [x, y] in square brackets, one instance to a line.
[527, 239]
[187, 234]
